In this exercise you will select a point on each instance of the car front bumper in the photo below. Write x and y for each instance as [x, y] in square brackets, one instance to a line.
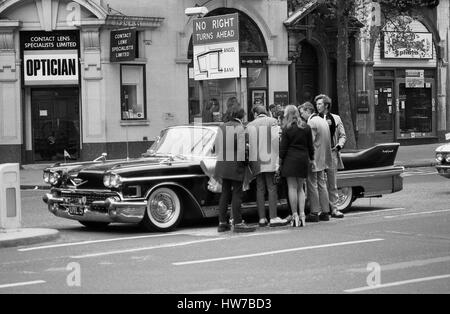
[444, 170]
[113, 209]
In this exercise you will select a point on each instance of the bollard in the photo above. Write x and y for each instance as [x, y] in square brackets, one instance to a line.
[10, 201]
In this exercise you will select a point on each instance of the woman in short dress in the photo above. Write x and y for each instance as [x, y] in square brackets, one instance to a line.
[296, 153]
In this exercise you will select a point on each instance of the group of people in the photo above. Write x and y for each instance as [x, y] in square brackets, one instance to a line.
[303, 147]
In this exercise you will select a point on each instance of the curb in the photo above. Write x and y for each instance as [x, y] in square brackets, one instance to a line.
[45, 235]
[35, 187]
[417, 165]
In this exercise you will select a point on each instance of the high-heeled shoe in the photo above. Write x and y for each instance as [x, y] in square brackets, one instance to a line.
[295, 220]
[302, 220]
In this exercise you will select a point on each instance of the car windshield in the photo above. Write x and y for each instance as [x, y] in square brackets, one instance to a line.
[185, 141]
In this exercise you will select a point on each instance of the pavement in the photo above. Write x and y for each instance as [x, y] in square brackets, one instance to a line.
[31, 178]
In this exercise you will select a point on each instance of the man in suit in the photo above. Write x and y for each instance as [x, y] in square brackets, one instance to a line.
[317, 183]
[263, 157]
[338, 139]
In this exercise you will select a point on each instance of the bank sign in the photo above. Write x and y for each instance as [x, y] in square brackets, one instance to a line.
[216, 47]
[50, 58]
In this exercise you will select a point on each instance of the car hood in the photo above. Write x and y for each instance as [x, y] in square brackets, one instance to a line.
[119, 166]
[443, 149]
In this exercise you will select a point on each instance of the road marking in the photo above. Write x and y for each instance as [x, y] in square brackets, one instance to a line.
[275, 252]
[194, 233]
[162, 246]
[404, 265]
[418, 214]
[374, 211]
[21, 284]
[96, 241]
[398, 283]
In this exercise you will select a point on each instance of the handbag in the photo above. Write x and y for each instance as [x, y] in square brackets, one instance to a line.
[214, 185]
[277, 177]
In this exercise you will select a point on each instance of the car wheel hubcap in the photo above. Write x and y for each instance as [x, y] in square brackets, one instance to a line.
[162, 207]
[344, 197]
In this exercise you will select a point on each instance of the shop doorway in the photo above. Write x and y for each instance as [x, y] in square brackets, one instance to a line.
[56, 123]
[384, 112]
[307, 74]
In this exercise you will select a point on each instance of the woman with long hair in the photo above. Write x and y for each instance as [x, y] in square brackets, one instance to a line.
[296, 153]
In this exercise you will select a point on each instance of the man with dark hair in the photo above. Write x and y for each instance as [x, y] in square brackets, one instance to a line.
[263, 157]
[230, 169]
[338, 139]
[317, 184]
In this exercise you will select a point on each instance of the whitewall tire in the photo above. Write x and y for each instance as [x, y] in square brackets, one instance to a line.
[164, 211]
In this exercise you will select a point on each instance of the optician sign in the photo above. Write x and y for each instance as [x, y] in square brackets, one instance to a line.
[50, 58]
[216, 47]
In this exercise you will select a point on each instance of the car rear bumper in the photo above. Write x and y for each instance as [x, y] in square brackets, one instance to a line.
[111, 210]
[444, 170]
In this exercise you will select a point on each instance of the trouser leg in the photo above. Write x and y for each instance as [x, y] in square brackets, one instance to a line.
[224, 200]
[332, 188]
[313, 194]
[273, 195]
[323, 192]
[236, 202]
[260, 195]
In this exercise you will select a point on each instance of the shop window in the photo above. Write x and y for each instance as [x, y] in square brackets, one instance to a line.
[416, 111]
[133, 92]
[257, 77]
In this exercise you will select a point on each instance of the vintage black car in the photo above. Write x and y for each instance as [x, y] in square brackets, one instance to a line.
[170, 182]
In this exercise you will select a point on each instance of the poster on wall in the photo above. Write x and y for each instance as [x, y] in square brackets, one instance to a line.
[415, 78]
[50, 58]
[216, 47]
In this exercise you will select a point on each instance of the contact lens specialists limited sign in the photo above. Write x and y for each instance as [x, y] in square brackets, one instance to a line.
[50, 58]
[216, 47]
[123, 45]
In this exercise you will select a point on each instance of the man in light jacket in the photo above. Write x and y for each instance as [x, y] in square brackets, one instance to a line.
[317, 183]
[338, 139]
[263, 156]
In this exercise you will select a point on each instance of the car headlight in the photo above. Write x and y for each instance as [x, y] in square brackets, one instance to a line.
[54, 178]
[439, 157]
[46, 177]
[447, 159]
[112, 180]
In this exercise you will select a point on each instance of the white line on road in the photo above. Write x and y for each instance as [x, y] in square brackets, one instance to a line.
[275, 252]
[21, 284]
[419, 214]
[96, 241]
[162, 246]
[398, 283]
[404, 265]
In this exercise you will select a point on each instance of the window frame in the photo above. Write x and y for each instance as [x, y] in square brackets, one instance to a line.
[144, 91]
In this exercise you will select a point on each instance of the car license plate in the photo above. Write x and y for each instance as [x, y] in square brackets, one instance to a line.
[76, 210]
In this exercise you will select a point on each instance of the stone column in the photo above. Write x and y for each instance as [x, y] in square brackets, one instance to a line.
[11, 137]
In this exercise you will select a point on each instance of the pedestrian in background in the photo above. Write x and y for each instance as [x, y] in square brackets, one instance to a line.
[338, 139]
[296, 153]
[317, 183]
[264, 153]
[230, 169]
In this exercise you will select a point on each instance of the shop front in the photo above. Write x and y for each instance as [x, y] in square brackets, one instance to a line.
[405, 78]
[52, 94]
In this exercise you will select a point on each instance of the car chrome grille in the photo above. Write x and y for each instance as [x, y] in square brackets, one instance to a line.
[86, 197]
